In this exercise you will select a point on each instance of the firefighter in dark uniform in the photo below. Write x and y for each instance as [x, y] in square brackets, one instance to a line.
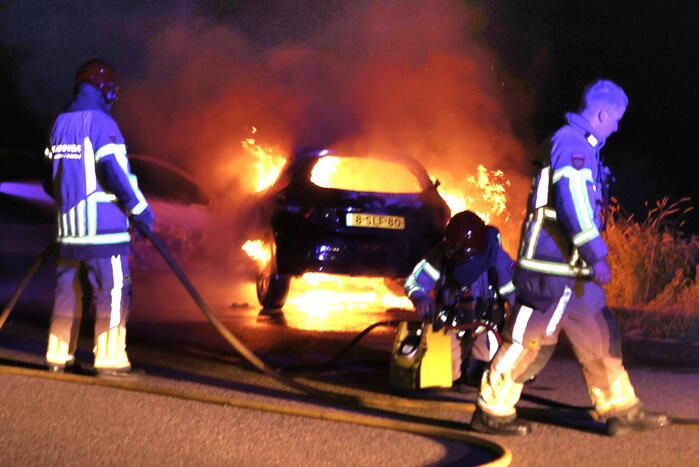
[96, 195]
[467, 277]
[561, 268]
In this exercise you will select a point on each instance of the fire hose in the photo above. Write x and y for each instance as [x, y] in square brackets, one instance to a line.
[474, 327]
[502, 455]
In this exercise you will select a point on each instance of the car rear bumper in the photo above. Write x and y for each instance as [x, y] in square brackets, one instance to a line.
[362, 256]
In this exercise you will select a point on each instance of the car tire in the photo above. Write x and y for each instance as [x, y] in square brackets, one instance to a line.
[272, 288]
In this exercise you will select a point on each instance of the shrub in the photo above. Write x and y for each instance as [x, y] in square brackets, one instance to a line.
[654, 288]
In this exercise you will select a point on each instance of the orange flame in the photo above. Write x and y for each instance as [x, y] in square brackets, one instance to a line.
[483, 193]
[268, 162]
[340, 292]
[364, 174]
[322, 301]
[324, 170]
[257, 250]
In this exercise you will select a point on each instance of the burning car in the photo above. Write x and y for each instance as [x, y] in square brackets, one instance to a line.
[346, 214]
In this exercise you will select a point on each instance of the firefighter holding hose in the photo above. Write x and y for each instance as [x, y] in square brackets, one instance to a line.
[561, 268]
[96, 195]
[464, 280]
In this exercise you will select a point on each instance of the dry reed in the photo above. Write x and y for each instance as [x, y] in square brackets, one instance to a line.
[654, 291]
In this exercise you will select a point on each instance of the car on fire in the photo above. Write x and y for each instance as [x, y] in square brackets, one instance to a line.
[377, 217]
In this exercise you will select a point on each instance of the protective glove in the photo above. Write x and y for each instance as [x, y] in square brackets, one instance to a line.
[601, 272]
[144, 220]
[426, 308]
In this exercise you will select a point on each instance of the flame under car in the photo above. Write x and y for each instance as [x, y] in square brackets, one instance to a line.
[348, 215]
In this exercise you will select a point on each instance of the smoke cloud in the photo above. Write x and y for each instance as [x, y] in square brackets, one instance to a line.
[408, 78]
[393, 77]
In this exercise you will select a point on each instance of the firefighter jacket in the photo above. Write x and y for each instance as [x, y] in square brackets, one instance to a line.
[561, 231]
[488, 275]
[91, 181]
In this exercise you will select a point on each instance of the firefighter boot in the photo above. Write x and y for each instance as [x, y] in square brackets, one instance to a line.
[55, 368]
[69, 367]
[507, 426]
[120, 373]
[635, 419]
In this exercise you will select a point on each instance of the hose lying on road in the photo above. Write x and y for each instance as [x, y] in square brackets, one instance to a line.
[331, 362]
[392, 323]
[502, 456]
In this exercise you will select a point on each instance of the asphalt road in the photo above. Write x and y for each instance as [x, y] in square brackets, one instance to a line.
[49, 422]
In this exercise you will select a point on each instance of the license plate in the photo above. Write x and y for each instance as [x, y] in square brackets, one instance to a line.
[375, 221]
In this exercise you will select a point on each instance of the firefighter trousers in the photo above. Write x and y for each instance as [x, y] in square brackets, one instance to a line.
[482, 349]
[104, 285]
[530, 337]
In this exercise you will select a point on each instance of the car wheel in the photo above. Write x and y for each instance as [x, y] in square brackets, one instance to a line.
[272, 288]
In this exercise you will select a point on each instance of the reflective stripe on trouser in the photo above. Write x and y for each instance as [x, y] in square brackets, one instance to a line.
[67, 312]
[617, 396]
[530, 337]
[594, 335]
[110, 285]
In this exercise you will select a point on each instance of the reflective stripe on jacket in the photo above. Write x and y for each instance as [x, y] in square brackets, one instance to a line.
[428, 276]
[92, 183]
[561, 232]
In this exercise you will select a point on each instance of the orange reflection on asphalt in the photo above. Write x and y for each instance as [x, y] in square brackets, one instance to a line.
[329, 302]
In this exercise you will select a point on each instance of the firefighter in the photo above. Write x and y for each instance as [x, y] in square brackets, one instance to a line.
[467, 277]
[561, 268]
[96, 195]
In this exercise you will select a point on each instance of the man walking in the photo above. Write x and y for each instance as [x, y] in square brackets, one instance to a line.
[561, 268]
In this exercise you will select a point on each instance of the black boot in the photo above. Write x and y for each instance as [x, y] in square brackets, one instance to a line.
[508, 426]
[635, 419]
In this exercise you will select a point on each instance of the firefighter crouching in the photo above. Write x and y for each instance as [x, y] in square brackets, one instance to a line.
[466, 279]
[96, 194]
[560, 271]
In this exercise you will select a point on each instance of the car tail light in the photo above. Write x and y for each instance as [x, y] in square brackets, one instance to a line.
[290, 205]
[296, 207]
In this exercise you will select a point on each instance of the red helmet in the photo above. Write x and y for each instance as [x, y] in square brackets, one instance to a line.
[466, 235]
[99, 74]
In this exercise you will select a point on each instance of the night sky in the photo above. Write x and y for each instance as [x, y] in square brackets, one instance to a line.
[546, 50]
[557, 47]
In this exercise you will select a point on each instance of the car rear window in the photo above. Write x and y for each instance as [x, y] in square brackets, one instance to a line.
[364, 174]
